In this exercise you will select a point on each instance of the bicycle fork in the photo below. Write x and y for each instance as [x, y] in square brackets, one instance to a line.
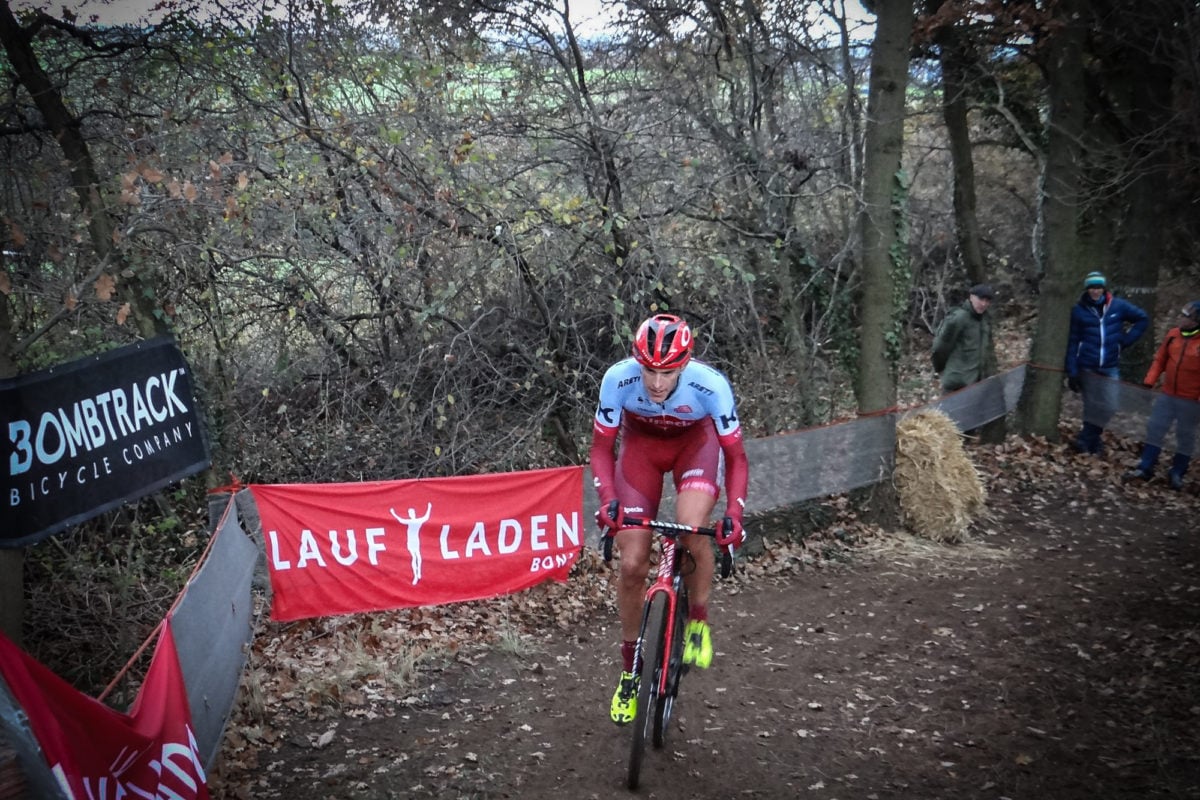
[664, 583]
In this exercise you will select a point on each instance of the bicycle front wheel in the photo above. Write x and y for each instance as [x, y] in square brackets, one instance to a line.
[653, 660]
[674, 666]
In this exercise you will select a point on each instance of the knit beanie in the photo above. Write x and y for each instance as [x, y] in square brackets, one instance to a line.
[1094, 279]
[1194, 326]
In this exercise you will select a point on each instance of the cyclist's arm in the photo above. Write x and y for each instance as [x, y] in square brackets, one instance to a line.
[722, 407]
[604, 462]
[605, 426]
[737, 473]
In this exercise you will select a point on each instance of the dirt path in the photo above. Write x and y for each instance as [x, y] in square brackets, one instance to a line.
[1056, 656]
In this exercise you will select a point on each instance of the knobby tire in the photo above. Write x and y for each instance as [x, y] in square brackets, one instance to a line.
[674, 666]
[653, 662]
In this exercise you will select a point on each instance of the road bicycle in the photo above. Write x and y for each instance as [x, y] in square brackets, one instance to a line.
[658, 658]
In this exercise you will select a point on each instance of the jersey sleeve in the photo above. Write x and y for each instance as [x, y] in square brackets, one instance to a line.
[737, 474]
[605, 425]
[723, 408]
[608, 409]
[729, 434]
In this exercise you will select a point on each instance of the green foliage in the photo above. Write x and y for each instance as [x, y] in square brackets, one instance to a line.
[103, 587]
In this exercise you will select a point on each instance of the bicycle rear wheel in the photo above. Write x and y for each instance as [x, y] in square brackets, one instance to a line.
[653, 662]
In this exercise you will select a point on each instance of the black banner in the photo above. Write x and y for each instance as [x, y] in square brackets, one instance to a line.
[86, 436]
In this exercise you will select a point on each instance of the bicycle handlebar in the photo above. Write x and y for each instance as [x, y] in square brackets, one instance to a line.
[669, 528]
[673, 530]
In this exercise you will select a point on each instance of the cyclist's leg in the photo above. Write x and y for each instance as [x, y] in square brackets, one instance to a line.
[639, 486]
[694, 507]
[634, 548]
[696, 470]
[638, 481]
[696, 483]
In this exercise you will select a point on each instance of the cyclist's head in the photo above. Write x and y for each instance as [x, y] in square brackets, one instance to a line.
[663, 342]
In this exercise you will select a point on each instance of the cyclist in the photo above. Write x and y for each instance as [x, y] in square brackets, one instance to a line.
[674, 415]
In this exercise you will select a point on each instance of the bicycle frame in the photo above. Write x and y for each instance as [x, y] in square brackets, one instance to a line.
[661, 637]
[665, 582]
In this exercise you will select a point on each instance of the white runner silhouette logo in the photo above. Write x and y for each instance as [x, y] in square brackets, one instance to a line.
[414, 536]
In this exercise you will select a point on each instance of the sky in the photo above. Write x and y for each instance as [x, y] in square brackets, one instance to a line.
[588, 16]
[585, 13]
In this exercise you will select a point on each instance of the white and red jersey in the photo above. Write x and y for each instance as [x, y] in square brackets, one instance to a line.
[702, 404]
[703, 392]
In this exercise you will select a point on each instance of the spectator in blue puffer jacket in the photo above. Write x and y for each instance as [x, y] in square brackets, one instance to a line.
[1101, 327]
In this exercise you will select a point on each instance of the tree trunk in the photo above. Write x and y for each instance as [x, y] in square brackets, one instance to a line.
[1140, 246]
[955, 59]
[1042, 395]
[883, 251]
[102, 232]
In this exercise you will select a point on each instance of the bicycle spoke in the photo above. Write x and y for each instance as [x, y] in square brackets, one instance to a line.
[674, 666]
[653, 662]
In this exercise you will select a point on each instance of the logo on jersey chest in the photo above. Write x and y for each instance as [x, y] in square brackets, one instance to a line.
[655, 409]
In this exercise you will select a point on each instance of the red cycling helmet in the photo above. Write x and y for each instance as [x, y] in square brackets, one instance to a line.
[663, 342]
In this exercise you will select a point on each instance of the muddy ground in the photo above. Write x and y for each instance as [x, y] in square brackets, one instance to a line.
[1054, 655]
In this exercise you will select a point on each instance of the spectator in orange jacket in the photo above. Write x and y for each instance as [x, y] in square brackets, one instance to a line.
[1177, 362]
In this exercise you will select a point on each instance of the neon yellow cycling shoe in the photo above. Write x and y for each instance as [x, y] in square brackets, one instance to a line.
[697, 644]
[624, 702]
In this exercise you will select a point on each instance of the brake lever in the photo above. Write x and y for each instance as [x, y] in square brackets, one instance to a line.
[727, 559]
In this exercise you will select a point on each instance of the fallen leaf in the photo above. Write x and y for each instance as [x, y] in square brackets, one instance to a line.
[16, 234]
[105, 285]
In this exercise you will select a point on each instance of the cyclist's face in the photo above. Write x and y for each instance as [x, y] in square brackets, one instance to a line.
[659, 382]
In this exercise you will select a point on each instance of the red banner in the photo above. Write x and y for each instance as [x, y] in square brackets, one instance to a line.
[96, 752]
[341, 548]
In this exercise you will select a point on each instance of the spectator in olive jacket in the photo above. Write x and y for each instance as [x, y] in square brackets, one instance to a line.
[962, 350]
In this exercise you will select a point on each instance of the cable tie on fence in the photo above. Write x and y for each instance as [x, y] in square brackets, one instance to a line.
[234, 486]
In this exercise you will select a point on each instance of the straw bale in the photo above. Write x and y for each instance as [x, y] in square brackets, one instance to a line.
[939, 488]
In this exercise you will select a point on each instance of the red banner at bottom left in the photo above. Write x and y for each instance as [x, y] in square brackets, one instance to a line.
[96, 752]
